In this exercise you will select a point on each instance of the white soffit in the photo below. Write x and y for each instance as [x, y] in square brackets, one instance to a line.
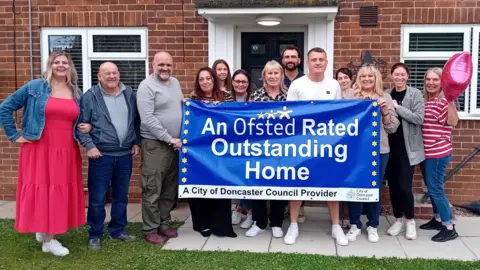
[213, 14]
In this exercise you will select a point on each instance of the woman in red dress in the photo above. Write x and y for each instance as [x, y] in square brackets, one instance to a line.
[50, 195]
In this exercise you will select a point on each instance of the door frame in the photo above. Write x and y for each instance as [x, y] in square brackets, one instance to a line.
[250, 29]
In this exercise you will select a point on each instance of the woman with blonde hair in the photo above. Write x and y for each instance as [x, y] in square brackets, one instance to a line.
[273, 90]
[50, 195]
[369, 85]
[440, 118]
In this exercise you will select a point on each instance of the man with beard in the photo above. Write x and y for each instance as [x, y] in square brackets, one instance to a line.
[159, 100]
[291, 58]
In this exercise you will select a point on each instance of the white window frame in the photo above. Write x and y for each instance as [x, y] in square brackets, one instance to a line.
[475, 58]
[470, 112]
[87, 47]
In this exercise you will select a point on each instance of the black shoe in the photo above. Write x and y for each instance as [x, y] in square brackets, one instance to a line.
[206, 233]
[445, 235]
[433, 224]
[94, 244]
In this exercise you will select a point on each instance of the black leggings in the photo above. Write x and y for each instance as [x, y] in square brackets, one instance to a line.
[400, 180]
[261, 216]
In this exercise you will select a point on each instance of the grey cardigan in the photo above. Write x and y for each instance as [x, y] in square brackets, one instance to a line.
[412, 112]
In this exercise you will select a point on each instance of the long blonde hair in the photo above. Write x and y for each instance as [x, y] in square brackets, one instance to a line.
[438, 71]
[273, 65]
[357, 89]
[72, 77]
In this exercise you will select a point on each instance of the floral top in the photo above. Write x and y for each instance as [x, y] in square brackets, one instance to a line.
[262, 95]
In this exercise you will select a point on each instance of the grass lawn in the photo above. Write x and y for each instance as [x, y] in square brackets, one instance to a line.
[21, 251]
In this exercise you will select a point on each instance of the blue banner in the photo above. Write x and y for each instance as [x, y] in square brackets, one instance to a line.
[302, 150]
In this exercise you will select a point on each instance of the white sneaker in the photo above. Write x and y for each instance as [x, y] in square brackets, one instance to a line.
[396, 228]
[339, 235]
[39, 237]
[411, 233]
[291, 235]
[254, 230]
[236, 217]
[247, 223]
[301, 215]
[353, 233]
[372, 235]
[277, 232]
[54, 247]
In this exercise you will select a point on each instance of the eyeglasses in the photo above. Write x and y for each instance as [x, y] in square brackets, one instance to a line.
[240, 82]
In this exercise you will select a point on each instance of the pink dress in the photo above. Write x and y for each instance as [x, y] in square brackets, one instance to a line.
[50, 195]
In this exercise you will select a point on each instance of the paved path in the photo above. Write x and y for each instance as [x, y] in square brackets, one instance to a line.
[315, 238]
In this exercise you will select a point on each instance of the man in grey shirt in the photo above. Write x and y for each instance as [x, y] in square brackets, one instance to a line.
[111, 109]
[159, 100]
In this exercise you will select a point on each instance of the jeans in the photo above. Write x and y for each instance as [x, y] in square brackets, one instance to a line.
[103, 172]
[372, 209]
[433, 170]
[247, 204]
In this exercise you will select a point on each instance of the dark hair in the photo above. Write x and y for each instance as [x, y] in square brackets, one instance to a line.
[402, 65]
[217, 94]
[249, 87]
[228, 80]
[317, 50]
[292, 48]
[345, 71]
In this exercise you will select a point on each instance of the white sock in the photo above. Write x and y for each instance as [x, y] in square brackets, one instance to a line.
[294, 225]
[336, 226]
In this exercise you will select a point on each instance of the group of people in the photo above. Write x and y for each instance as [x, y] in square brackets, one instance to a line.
[114, 124]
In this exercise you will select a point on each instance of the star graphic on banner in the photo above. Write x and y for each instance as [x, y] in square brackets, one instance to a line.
[374, 183]
[184, 141]
[187, 113]
[184, 180]
[271, 114]
[375, 104]
[374, 163]
[374, 143]
[374, 134]
[186, 122]
[185, 131]
[374, 153]
[184, 150]
[187, 103]
[284, 113]
[184, 170]
[184, 160]
[374, 173]
[374, 123]
[374, 114]
[260, 116]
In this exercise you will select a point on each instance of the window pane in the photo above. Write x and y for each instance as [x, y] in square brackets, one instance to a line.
[449, 42]
[117, 43]
[132, 73]
[417, 71]
[73, 45]
[478, 79]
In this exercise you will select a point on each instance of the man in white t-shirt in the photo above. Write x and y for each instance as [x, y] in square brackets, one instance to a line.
[315, 86]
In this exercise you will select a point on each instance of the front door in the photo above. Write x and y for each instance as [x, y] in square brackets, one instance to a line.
[259, 48]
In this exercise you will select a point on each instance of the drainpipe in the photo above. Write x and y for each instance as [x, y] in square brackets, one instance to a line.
[31, 43]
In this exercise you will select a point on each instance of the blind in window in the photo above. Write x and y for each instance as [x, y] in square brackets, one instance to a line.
[73, 45]
[117, 43]
[417, 71]
[434, 42]
[132, 73]
[478, 78]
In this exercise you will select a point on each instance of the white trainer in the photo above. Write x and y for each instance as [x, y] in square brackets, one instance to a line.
[39, 237]
[292, 234]
[373, 235]
[353, 233]
[247, 223]
[339, 235]
[411, 233]
[277, 232]
[54, 247]
[254, 230]
[236, 217]
[396, 228]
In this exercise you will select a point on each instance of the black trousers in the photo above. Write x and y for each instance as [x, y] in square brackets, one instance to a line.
[261, 216]
[400, 180]
[213, 214]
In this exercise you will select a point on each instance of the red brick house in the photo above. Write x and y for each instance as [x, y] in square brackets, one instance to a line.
[196, 32]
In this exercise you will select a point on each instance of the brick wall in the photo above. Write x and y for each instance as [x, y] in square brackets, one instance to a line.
[166, 20]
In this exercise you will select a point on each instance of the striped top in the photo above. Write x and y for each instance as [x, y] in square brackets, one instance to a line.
[437, 135]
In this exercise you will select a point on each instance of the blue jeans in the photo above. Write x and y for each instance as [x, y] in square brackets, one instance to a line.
[433, 170]
[103, 172]
[247, 204]
[372, 209]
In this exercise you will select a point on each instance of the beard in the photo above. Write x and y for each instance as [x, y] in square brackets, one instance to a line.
[291, 66]
[163, 76]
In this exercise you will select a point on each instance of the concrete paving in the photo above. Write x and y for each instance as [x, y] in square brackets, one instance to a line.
[315, 237]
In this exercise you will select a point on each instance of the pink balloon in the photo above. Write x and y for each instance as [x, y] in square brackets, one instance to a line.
[456, 75]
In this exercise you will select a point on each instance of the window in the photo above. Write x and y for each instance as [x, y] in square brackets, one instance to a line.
[90, 47]
[426, 46]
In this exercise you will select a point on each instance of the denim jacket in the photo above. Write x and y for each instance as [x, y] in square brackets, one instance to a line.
[33, 96]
